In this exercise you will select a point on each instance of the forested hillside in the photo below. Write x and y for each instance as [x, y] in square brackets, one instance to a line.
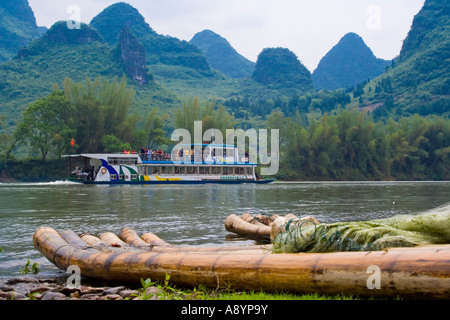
[222, 56]
[62, 53]
[17, 27]
[419, 80]
[280, 68]
[347, 64]
[160, 49]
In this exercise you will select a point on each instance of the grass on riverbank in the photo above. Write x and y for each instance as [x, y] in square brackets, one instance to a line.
[166, 291]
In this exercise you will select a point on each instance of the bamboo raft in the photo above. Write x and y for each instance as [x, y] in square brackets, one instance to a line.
[128, 257]
[262, 228]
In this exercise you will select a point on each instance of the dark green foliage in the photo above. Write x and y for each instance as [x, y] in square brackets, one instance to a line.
[351, 146]
[60, 33]
[100, 108]
[95, 114]
[111, 21]
[322, 101]
[17, 27]
[45, 125]
[112, 144]
[428, 29]
[347, 64]
[280, 68]
[32, 170]
[222, 56]
[212, 116]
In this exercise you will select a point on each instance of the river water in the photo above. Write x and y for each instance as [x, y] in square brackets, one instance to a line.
[190, 215]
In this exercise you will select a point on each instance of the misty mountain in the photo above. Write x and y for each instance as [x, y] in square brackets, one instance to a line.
[222, 56]
[348, 63]
[279, 68]
[160, 49]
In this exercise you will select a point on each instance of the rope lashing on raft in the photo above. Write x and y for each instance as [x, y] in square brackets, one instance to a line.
[399, 231]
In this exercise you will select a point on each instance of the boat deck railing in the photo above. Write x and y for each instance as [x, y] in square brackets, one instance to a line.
[165, 158]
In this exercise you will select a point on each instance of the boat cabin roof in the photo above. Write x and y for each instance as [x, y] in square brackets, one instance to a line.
[105, 156]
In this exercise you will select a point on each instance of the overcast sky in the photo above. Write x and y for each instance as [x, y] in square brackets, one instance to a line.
[310, 28]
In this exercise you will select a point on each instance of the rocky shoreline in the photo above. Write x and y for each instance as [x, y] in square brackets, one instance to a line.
[29, 288]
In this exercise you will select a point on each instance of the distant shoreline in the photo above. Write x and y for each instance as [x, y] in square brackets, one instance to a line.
[40, 171]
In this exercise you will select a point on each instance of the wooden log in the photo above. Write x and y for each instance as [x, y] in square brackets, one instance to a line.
[254, 249]
[405, 272]
[73, 239]
[247, 217]
[112, 239]
[130, 236]
[154, 240]
[103, 246]
[237, 225]
[158, 245]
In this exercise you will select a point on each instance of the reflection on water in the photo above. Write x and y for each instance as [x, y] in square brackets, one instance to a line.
[191, 215]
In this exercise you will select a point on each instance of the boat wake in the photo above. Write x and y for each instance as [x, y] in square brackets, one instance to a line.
[36, 184]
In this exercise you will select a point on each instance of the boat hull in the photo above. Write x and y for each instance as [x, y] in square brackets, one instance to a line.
[182, 182]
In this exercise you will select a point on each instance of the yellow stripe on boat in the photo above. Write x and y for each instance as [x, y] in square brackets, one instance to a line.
[167, 179]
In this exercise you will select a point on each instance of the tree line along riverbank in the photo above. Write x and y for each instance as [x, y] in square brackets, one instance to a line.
[33, 170]
[38, 170]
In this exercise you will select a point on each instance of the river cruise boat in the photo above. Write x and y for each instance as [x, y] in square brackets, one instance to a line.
[216, 164]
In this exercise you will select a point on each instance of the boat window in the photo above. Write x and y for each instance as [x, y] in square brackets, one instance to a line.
[114, 177]
[154, 170]
[226, 171]
[204, 170]
[192, 170]
[122, 161]
[170, 170]
[216, 170]
[134, 177]
[112, 161]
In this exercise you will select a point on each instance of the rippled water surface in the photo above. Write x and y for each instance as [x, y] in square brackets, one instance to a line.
[190, 215]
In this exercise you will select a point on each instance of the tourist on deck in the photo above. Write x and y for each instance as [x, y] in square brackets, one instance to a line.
[149, 154]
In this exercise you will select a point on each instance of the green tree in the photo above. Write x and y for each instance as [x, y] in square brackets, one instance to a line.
[324, 142]
[154, 134]
[4, 138]
[100, 108]
[211, 115]
[112, 144]
[45, 125]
